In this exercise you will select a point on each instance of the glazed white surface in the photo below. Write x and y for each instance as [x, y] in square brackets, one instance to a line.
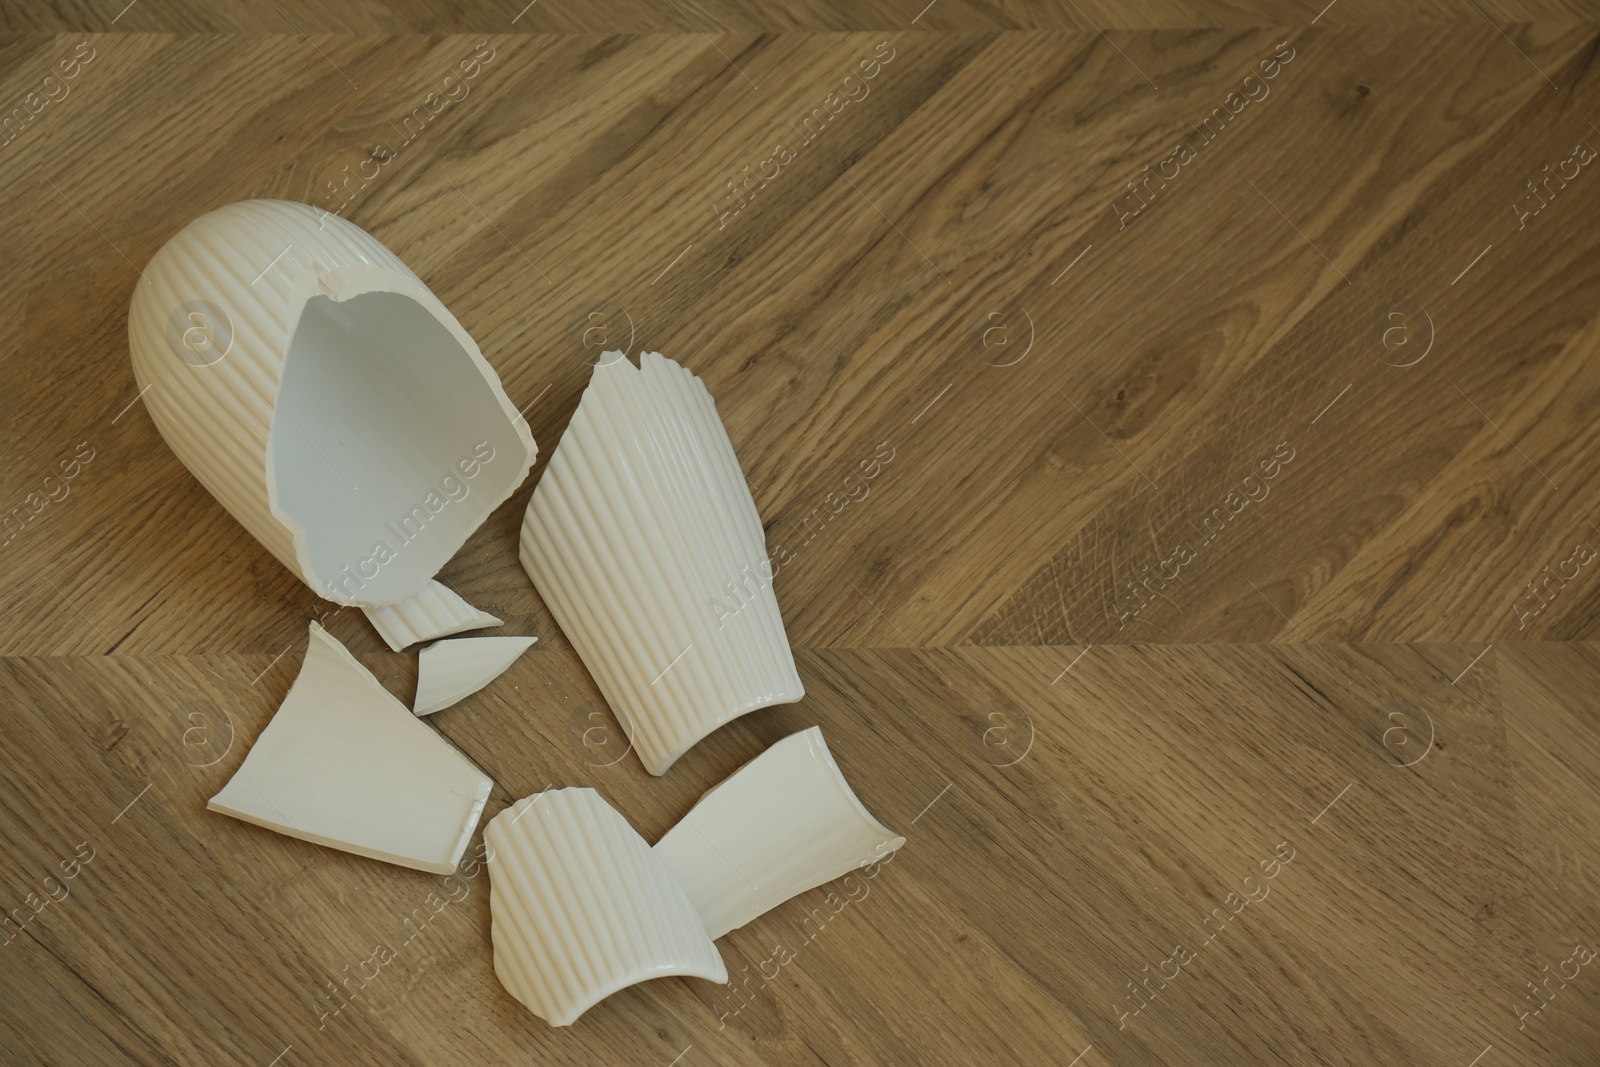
[785, 822]
[214, 329]
[345, 764]
[639, 523]
[451, 671]
[580, 907]
[434, 612]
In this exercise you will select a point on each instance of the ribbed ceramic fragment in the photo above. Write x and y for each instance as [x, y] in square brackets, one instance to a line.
[644, 541]
[785, 822]
[344, 764]
[580, 907]
[437, 611]
[324, 395]
[448, 671]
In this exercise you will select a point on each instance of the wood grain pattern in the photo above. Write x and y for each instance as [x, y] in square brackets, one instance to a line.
[733, 16]
[1383, 664]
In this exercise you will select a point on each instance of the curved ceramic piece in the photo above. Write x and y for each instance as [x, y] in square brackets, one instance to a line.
[448, 671]
[580, 907]
[324, 396]
[437, 611]
[785, 822]
[643, 539]
[344, 764]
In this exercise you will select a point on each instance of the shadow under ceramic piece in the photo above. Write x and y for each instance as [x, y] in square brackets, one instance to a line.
[450, 671]
[580, 907]
[785, 822]
[345, 764]
[437, 611]
[637, 532]
[322, 393]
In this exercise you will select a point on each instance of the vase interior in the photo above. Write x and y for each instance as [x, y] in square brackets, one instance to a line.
[389, 445]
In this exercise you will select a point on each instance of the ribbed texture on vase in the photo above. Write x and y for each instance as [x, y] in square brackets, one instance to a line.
[345, 764]
[258, 262]
[437, 611]
[580, 907]
[449, 671]
[785, 822]
[638, 529]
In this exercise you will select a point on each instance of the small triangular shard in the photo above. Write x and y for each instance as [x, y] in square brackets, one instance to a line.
[448, 671]
[433, 613]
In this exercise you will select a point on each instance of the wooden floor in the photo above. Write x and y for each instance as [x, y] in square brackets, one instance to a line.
[1220, 629]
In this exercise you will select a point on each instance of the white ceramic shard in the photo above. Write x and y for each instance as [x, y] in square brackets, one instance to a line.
[643, 540]
[448, 671]
[437, 611]
[580, 907]
[325, 397]
[785, 822]
[344, 764]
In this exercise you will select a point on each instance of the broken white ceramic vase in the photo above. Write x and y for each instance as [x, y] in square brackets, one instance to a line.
[450, 671]
[580, 907]
[645, 543]
[785, 822]
[437, 611]
[344, 764]
[324, 396]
